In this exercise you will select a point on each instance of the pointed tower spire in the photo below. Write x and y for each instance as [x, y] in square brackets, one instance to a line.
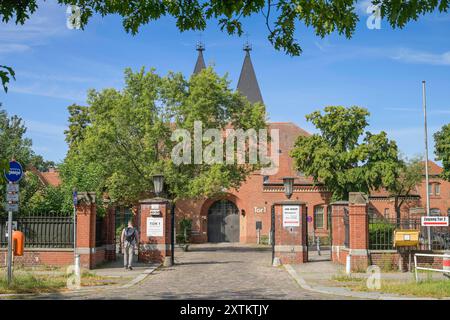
[200, 65]
[248, 84]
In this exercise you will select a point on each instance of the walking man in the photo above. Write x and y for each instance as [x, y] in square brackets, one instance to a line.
[129, 239]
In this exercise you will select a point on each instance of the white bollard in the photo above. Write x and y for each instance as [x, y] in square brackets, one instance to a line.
[348, 266]
[276, 262]
[77, 268]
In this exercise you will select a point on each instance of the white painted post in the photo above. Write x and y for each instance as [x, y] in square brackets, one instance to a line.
[415, 268]
[348, 267]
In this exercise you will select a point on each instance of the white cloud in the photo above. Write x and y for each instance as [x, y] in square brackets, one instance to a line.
[6, 48]
[412, 56]
[45, 77]
[52, 91]
[430, 110]
[361, 7]
[48, 21]
[46, 129]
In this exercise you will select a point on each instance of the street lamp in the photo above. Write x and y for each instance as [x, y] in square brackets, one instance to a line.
[288, 183]
[158, 183]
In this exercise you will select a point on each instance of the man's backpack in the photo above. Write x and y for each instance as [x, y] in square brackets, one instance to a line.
[130, 234]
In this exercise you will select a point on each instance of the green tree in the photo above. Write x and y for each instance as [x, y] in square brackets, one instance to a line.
[78, 121]
[38, 162]
[281, 17]
[14, 145]
[409, 175]
[128, 138]
[341, 157]
[442, 149]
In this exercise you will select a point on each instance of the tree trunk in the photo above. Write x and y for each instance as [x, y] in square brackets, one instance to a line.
[397, 212]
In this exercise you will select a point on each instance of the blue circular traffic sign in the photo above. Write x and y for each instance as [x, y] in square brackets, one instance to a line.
[15, 172]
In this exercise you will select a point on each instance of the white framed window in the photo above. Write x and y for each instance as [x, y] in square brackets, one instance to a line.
[435, 212]
[318, 217]
[437, 189]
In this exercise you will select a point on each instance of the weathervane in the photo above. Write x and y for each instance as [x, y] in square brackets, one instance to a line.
[247, 44]
[200, 45]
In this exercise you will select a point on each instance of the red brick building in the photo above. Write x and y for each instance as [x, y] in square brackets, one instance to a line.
[234, 217]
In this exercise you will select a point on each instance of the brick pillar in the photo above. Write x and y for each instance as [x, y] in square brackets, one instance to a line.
[338, 230]
[110, 224]
[359, 230]
[290, 241]
[86, 217]
[155, 231]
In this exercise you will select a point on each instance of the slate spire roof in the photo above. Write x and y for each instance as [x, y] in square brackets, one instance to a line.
[200, 65]
[248, 84]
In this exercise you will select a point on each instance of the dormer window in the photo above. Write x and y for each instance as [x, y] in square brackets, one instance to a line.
[265, 179]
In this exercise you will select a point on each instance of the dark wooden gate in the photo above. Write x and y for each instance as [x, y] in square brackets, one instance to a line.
[223, 222]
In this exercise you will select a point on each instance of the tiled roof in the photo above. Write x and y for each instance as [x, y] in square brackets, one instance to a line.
[248, 84]
[51, 178]
[433, 168]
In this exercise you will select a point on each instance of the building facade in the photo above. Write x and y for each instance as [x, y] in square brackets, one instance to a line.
[244, 215]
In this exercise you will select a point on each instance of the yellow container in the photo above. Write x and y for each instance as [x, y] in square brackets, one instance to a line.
[406, 238]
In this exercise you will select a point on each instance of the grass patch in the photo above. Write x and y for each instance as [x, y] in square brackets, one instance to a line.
[426, 288]
[346, 278]
[37, 283]
[28, 283]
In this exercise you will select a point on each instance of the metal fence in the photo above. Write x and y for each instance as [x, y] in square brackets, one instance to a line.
[381, 233]
[99, 232]
[346, 228]
[41, 230]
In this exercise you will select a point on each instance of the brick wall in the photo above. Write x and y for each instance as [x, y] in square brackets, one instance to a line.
[36, 257]
[290, 242]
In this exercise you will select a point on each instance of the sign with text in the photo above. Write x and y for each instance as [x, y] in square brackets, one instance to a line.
[13, 197]
[15, 172]
[155, 210]
[155, 227]
[434, 221]
[260, 209]
[12, 187]
[12, 207]
[291, 216]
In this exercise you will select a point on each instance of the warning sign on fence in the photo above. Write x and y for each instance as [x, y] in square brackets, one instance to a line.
[434, 221]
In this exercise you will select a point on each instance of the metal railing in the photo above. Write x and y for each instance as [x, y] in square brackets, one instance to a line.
[381, 233]
[99, 234]
[41, 230]
[443, 256]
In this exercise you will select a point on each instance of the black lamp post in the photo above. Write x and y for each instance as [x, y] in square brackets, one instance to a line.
[288, 183]
[158, 183]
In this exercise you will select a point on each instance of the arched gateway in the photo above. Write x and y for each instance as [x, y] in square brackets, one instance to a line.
[223, 222]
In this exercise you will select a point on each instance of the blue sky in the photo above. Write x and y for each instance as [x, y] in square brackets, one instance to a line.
[381, 70]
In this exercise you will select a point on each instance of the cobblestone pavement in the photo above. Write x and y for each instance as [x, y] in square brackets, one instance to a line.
[213, 271]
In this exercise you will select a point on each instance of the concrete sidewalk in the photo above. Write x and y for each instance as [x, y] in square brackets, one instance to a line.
[318, 277]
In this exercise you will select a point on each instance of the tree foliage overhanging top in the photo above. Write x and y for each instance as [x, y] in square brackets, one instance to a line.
[281, 16]
[122, 138]
[342, 156]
